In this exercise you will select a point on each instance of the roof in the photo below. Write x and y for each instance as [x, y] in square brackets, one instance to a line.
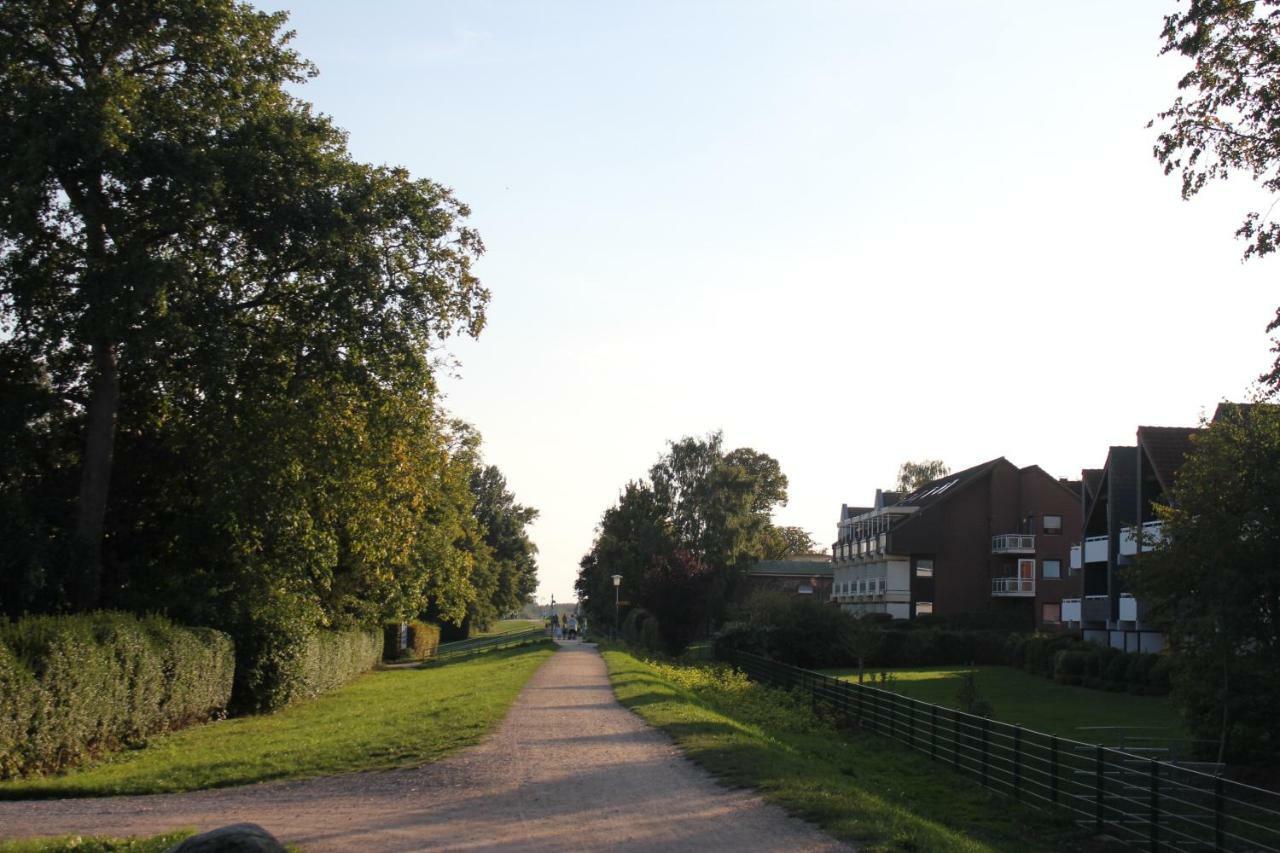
[800, 566]
[936, 490]
[1165, 448]
[847, 512]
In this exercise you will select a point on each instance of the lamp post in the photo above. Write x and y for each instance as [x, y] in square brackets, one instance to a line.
[617, 582]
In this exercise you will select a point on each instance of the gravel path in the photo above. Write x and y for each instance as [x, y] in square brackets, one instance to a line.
[569, 768]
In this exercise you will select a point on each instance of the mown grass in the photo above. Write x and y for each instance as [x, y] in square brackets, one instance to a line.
[1038, 703]
[510, 626]
[384, 719]
[858, 787]
[82, 844]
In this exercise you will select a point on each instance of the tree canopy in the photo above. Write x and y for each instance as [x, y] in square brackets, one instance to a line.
[217, 340]
[1226, 119]
[681, 539]
[913, 475]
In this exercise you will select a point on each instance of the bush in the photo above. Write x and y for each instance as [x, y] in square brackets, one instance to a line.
[1070, 667]
[74, 686]
[642, 630]
[421, 641]
[280, 660]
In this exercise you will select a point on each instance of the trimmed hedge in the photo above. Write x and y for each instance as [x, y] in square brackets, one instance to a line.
[1069, 660]
[279, 662]
[423, 641]
[75, 686]
[827, 644]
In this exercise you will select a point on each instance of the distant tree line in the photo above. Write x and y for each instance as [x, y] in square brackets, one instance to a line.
[217, 338]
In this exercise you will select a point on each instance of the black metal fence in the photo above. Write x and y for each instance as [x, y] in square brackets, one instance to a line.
[476, 645]
[1139, 800]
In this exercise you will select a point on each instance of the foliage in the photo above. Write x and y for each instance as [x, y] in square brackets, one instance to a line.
[913, 475]
[1227, 119]
[422, 641]
[809, 634]
[789, 541]
[288, 662]
[75, 686]
[216, 345]
[1214, 583]
[681, 539]
[403, 717]
[1069, 660]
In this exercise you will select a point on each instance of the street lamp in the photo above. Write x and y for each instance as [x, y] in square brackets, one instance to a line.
[617, 582]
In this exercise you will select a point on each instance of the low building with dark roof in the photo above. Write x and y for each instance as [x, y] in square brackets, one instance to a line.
[994, 537]
[802, 575]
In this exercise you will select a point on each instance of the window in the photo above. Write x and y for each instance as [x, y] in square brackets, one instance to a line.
[1051, 568]
[924, 568]
[1051, 613]
[805, 589]
[924, 608]
[1053, 524]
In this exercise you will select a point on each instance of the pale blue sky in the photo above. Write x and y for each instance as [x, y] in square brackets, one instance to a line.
[848, 234]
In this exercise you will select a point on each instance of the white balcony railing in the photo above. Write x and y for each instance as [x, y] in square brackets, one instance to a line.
[1025, 587]
[1152, 534]
[1075, 558]
[1128, 608]
[1070, 610]
[1013, 543]
[1095, 549]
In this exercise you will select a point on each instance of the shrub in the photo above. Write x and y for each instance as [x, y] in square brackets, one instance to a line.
[281, 659]
[74, 686]
[1070, 667]
[421, 640]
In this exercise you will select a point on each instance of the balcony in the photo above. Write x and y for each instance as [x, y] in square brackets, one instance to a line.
[1095, 549]
[1131, 610]
[1095, 608]
[1152, 534]
[1013, 543]
[1013, 587]
[1075, 558]
[1070, 610]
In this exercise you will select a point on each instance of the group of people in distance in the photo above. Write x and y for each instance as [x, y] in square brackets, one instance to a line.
[566, 627]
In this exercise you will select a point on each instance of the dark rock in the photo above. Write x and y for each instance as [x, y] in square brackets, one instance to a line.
[236, 838]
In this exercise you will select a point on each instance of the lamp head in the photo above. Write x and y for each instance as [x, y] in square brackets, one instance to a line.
[617, 580]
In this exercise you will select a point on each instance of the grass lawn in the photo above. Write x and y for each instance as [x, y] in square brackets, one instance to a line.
[1039, 703]
[384, 719]
[510, 626]
[856, 786]
[81, 844]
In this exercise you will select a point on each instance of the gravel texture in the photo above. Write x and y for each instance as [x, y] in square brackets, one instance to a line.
[568, 769]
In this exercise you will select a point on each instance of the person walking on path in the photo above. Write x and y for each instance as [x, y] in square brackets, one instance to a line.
[614, 784]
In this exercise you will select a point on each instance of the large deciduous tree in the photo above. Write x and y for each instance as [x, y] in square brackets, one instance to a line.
[681, 539]
[913, 475]
[185, 244]
[1227, 118]
[1214, 583]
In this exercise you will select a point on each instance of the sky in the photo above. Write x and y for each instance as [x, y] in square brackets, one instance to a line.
[846, 234]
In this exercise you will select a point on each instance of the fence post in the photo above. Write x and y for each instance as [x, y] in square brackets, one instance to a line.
[955, 744]
[1053, 769]
[933, 732]
[1097, 790]
[985, 743]
[1218, 813]
[1017, 762]
[1155, 806]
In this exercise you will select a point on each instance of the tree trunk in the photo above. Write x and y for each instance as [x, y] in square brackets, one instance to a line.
[95, 474]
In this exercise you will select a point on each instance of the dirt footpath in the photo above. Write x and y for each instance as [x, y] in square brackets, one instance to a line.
[569, 769]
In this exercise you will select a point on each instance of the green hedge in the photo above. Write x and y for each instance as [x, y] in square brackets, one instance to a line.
[74, 686]
[423, 641]
[284, 661]
[1070, 660]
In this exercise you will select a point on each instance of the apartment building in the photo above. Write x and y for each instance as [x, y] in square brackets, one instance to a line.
[994, 537]
[1119, 522]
